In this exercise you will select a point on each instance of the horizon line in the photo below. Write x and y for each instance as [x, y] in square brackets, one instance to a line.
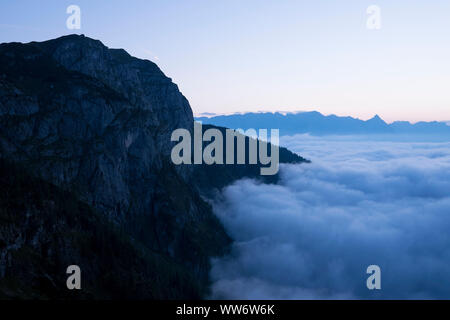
[207, 114]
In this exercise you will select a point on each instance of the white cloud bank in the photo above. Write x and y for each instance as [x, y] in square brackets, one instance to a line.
[359, 203]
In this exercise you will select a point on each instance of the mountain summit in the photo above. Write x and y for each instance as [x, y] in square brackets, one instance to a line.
[376, 118]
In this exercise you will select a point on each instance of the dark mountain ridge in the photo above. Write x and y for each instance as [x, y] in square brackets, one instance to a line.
[94, 124]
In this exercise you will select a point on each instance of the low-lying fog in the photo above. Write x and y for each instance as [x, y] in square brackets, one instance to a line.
[360, 202]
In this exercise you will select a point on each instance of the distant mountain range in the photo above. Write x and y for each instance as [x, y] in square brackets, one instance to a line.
[318, 124]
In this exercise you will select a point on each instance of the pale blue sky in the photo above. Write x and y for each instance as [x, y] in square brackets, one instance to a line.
[250, 55]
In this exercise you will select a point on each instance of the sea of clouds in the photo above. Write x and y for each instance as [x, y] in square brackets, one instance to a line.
[360, 202]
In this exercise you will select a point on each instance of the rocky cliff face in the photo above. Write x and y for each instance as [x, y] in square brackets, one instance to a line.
[90, 118]
[44, 229]
[96, 122]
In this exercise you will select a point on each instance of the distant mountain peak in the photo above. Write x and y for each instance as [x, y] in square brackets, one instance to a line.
[376, 118]
[314, 122]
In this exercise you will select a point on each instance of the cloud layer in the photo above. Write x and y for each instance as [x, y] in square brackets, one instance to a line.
[359, 203]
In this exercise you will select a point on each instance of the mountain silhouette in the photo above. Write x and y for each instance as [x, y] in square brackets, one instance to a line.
[88, 179]
[318, 124]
